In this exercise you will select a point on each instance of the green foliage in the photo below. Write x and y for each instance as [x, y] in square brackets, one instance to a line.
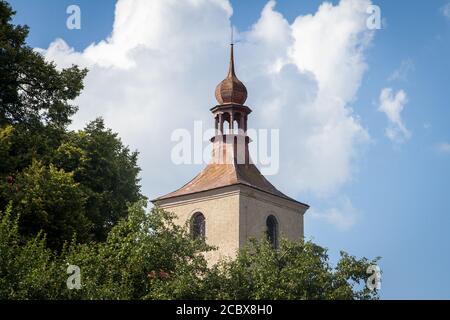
[92, 165]
[28, 270]
[49, 199]
[6, 134]
[148, 256]
[141, 256]
[106, 170]
[32, 91]
[297, 270]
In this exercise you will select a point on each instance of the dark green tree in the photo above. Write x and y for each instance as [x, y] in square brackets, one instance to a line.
[49, 200]
[35, 110]
[297, 270]
[106, 170]
[35, 100]
[35, 96]
[32, 91]
[148, 256]
[28, 269]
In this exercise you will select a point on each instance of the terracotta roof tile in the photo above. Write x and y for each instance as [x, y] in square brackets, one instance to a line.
[215, 176]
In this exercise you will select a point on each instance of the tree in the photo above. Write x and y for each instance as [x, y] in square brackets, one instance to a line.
[32, 91]
[143, 254]
[105, 169]
[49, 200]
[148, 256]
[35, 110]
[35, 100]
[28, 269]
[7, 162]
[297, 270]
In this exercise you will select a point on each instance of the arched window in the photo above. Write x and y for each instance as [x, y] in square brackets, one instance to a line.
[226, 127]
[272, 231]
[198, 226]
[235, 127]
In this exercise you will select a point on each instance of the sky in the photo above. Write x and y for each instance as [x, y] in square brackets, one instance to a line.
[362, 113]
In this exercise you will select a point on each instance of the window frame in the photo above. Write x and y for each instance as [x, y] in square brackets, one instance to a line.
[199, 234]
[272, 230]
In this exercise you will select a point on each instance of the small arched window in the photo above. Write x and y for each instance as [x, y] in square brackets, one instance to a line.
[226, 127]
[198, 226]
[272, 231]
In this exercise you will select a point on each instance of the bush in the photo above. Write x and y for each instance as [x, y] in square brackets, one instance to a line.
[148, 256]
[27, 270]
[297, 270]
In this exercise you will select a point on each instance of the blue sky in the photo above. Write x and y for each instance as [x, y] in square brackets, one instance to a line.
[399, 190]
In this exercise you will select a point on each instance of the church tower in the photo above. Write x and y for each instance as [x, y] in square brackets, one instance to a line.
[230, 201]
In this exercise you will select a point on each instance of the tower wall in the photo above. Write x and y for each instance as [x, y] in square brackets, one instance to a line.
[221, 211]
[256, 206]
[236, 213]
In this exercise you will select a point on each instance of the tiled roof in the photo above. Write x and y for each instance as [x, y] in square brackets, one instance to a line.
[215, 176]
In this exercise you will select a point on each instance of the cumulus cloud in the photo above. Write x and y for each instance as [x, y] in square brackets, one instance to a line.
[443, 147]
[392, 104]
[158, 70]
[343, 215]
[445, 10]
[403, 71]
[310, 95]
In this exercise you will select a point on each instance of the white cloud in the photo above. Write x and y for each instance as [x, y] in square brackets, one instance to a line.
[158, 70]
[443, 147]
[343, 216]
[445, 10]
[392, 105]
[403, 71]
[320, 132]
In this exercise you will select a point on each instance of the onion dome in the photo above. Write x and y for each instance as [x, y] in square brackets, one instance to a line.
[231, 89]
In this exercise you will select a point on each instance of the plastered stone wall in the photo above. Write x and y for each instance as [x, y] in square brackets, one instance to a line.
[256, 206]
[221, 213]
[234, 214]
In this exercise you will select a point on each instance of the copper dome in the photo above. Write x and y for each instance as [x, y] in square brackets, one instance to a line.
[231, 89]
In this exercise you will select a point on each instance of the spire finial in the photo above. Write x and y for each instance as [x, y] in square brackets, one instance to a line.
[231, 89]
[232, 42]
[231, 72]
